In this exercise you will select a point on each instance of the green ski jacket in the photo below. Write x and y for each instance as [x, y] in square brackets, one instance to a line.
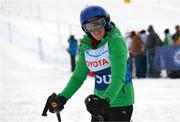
[112, 80]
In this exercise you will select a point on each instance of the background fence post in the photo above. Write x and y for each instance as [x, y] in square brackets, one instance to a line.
[59, 31]
[40, 49]
[10, 32]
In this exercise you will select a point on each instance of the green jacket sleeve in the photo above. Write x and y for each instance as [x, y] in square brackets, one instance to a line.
[78, 77]
[118, 58]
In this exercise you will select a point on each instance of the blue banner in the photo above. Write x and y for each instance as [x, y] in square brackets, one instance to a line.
[167, 57]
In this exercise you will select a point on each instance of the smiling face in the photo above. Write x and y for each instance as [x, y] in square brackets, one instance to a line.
[98, 34]
[96, 28]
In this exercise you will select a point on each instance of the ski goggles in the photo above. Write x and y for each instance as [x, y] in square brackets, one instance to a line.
[94, 25]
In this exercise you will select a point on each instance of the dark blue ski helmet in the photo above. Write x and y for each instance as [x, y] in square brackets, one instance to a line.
[92, 12]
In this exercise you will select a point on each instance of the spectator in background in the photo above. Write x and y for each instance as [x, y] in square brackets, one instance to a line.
[167, 39]
[128, 40]
[143, 36]
[153, 41]
[178, 41]
[176, 35]
[72, 50]
[138, 52]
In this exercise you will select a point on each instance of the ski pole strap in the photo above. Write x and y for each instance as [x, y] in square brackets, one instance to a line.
[100, 118]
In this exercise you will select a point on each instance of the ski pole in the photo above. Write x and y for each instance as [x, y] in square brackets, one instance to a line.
[58, 116]
[46, 108]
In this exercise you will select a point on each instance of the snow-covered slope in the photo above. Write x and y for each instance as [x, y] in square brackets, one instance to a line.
[136, 15]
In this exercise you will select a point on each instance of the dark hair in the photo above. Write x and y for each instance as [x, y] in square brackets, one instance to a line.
[150, 29]
[166, 31]
[71, 36]
[142, 31]
[133, 33]
[177, 27]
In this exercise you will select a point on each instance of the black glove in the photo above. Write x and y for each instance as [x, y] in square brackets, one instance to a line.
[96, 106]
[56, 103]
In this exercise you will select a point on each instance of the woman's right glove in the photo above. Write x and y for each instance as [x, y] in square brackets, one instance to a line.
[56, 103]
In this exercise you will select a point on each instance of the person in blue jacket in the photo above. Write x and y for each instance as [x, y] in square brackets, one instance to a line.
[72, 50]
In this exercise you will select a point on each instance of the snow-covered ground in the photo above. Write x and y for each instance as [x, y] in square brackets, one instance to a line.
[25, 87]
[26, 81]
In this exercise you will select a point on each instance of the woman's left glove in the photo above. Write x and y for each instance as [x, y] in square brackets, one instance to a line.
[56, 103]
[97, 106]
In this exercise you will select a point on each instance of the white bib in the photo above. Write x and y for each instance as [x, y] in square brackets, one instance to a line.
[97, 59]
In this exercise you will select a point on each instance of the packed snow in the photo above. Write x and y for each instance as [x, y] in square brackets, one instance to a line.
[26, 80]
